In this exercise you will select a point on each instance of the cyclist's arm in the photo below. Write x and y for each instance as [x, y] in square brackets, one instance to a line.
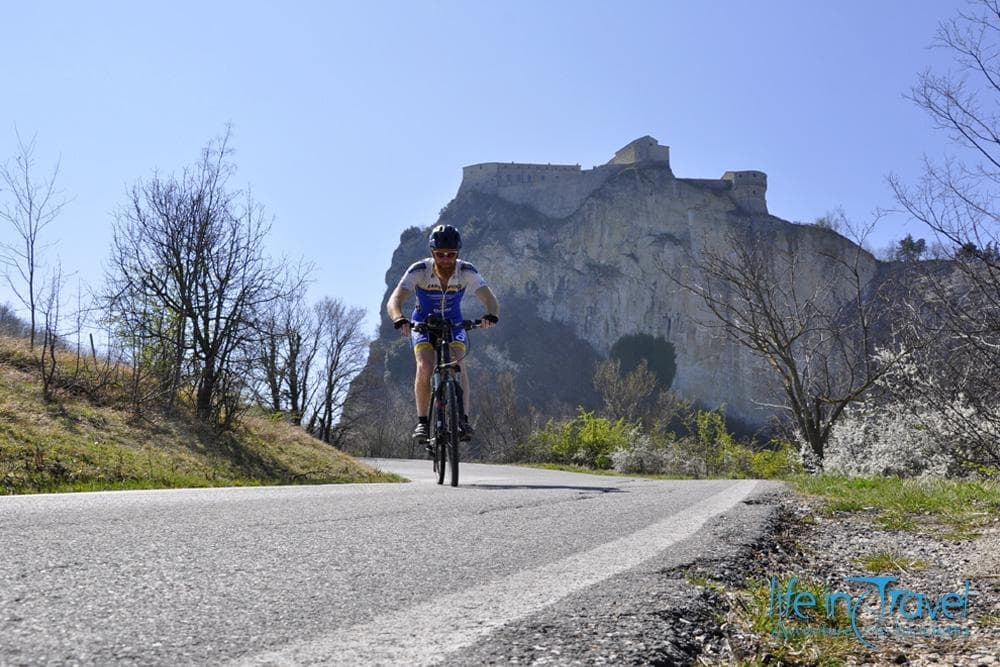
[394, 307]
[489, 300]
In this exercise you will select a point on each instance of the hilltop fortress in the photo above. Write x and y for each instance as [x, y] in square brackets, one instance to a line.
[557, 190]
[584, 260]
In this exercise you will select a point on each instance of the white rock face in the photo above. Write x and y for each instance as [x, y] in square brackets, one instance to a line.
[602, 268]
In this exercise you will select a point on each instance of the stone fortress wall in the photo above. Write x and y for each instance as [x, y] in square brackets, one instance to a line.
[557, 190]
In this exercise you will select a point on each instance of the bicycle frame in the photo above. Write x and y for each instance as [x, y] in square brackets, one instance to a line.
[446, 397]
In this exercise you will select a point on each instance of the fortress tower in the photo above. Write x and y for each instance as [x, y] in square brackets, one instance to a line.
[643, 149]
[749, 189]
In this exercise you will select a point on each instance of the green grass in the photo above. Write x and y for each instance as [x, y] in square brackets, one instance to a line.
[884, 561]
[988, 620]
[82, 442]
[752, 609]
[596, 471]
[960, 535]
[957, 508]
[704, 582]
[896, 520]
[178, 482]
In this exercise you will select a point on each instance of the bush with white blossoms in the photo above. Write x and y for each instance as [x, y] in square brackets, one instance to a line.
[647, 456]
[905, 435]
[887, 440]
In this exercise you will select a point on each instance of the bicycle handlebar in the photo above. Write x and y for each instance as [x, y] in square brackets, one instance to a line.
[425, 327]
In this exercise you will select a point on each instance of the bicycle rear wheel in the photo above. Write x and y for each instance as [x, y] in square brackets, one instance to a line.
[451, 407]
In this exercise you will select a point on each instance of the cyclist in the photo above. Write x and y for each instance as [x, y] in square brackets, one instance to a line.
[440, 282]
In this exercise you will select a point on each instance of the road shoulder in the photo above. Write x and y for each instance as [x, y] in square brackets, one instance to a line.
[652, 614]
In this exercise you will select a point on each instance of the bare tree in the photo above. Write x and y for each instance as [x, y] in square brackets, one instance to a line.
[289, 344]
[820, 346]
[956, 198]
[951, 319]
[188, 269]
[49, 304]
[152, 341]
[502, 424]
[343, 349]
[380, 423]
[271, 367]
[628, 396]
[955, 316]
[33, 205]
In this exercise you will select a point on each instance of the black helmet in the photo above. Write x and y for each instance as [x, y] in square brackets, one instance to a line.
[445, 237]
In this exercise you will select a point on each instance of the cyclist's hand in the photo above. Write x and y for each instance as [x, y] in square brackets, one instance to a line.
[489, 321]
[403, 325]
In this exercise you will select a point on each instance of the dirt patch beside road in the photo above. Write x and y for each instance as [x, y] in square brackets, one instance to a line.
[826, 549]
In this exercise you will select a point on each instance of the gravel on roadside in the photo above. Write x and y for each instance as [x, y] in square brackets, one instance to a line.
[827, 547]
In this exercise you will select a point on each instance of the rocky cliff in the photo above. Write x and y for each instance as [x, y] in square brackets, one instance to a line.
[581, 259]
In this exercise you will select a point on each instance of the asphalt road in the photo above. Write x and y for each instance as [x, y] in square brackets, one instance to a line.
[355, 574]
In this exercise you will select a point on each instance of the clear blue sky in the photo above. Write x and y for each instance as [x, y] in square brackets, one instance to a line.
[352, 121]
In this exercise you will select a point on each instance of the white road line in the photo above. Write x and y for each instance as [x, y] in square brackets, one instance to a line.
[425, 633]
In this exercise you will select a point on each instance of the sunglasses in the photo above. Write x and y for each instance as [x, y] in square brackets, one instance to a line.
[448, 254]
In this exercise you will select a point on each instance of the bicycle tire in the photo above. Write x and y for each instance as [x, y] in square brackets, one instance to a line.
[453, 412]
[435, 439]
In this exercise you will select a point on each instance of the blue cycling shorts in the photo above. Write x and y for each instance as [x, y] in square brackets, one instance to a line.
[459, 339]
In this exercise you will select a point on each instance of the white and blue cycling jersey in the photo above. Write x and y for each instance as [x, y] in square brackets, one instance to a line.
[434, 299]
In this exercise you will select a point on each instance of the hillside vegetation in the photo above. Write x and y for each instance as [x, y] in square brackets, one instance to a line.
[85, 440]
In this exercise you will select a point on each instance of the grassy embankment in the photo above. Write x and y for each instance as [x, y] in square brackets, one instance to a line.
[84, 441]
[950, 510]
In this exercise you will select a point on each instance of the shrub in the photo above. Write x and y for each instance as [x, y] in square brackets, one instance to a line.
[711, 451]
[586, 440]
[716, 446]
[736, 460]
[781, 461]
[911, 431]
[887, 440]
[548, 443]
[649, 456]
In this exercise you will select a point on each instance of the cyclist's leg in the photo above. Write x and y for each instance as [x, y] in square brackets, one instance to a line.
[424, 354]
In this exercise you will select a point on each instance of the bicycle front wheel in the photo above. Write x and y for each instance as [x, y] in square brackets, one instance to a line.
[437, 438]
[451, 443]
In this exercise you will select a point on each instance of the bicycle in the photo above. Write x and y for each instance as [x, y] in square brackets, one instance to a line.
[446, 395]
